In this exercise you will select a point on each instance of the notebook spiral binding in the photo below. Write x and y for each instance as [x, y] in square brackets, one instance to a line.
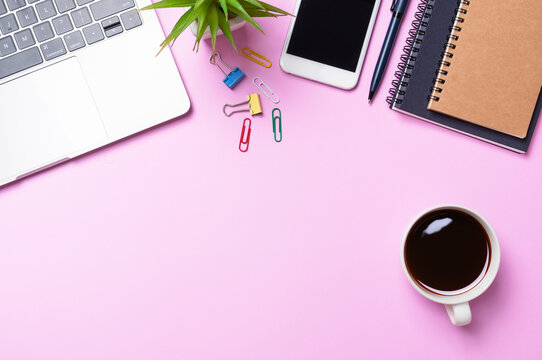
[410, 50]
[448, 54]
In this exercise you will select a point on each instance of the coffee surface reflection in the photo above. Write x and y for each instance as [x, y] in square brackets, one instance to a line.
[447, 252]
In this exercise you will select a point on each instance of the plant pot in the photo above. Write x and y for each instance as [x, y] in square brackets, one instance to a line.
[235, 23]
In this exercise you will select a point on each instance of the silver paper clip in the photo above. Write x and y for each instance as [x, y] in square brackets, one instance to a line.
[266, 90]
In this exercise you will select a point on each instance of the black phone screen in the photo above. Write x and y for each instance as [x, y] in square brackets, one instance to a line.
[331, 32]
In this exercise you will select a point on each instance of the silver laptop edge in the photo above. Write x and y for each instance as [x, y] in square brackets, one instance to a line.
[105, 91]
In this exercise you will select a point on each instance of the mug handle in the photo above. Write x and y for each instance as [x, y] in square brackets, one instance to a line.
[459, 314]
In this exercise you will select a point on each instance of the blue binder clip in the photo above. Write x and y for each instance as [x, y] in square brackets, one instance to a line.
[235, 75]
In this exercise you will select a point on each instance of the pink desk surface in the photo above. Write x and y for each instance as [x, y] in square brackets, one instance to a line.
[175, 245]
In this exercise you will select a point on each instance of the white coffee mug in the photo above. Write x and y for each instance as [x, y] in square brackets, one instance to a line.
[457, 306]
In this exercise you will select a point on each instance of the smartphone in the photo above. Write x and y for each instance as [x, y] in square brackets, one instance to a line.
[327, 40]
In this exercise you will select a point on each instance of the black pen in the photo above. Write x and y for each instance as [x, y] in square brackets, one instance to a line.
[398, 8]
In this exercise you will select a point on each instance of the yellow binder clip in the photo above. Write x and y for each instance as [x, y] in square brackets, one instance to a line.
[254, 106]
[257, 58]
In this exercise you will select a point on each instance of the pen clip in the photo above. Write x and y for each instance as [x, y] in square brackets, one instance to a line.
[394, 2]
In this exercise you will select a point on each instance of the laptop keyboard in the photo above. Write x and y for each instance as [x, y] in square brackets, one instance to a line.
[34, 31]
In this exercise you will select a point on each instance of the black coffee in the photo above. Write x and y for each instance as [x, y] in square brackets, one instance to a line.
[447, 250]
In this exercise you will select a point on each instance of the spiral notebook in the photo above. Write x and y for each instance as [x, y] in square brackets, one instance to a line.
[492, 78]
[417, 72]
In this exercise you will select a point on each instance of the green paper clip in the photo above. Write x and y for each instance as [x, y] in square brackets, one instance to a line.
[275, 117]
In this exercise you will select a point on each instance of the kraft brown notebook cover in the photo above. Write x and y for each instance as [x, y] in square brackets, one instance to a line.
[491, 70]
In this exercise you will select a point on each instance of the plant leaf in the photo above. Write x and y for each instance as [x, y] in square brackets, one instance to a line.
[254, 3]
[181, 25]
[212, 17]
[224, 6]
[274, 9]
[203, 21]
[214, 14]
[169, 4]
[260, 13]
[225, 27]
[237, 8]
[200, 3]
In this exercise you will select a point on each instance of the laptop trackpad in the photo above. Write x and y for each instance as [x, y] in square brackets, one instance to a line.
[46, 116]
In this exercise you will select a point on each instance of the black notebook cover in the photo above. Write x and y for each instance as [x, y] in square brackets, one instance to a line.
[416, 75]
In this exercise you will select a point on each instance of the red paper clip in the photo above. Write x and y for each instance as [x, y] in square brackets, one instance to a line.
[244, 141]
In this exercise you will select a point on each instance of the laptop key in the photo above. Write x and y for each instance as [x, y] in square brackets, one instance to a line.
[8, 24]
[74, 40]
[15, 4]
[19, 62]
[27, 16]
[53, 49]
[130, 19]
[24, 39]
[111, 22]
[93, 33]
[3, 8]
[112, 31]
[64, 5]
[43, 31]
[45, 9]
[62, 24]
[112, 26]
[81, 17]
[7, 46]
[83, 2]
[105, 8]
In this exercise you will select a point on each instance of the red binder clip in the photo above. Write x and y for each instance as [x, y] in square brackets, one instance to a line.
[245, 136]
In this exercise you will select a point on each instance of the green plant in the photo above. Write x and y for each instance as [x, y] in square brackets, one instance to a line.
[214, 14]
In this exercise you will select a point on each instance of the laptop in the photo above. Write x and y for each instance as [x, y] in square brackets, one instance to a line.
[76, 75]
